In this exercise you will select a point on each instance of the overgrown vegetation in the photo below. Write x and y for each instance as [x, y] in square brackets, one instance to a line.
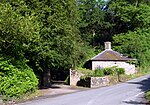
[147, 95]
[100, 72]
[115, 76]
[16, 80]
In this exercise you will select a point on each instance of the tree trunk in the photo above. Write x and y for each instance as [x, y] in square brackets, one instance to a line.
[46, 78]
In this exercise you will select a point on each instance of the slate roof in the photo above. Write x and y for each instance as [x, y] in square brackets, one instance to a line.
[110, 55]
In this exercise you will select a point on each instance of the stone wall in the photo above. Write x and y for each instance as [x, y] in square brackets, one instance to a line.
[91, 82]
[99, 81]
[75, 77]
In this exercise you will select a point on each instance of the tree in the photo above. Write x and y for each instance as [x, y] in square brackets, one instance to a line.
[17, 32]
[92, 23]
[131, 28]
[60, 44]
[134, 44]
[44, 32]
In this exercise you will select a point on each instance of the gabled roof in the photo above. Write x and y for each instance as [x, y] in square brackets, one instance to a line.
[110, 55]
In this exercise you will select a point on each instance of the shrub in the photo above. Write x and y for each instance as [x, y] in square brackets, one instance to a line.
[120, 70]
[86, 72]
[99, 72]
[108, 71]
[114, 70]
[16, 81]
[147, 95]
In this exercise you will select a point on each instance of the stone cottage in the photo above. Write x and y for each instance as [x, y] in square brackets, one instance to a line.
[110, 58]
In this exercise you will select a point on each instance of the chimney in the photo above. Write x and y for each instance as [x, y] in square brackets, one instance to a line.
[108, 45]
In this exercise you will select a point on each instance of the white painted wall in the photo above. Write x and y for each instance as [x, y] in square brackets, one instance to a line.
[129, 69]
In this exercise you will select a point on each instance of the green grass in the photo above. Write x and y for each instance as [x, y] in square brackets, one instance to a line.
[147, 95]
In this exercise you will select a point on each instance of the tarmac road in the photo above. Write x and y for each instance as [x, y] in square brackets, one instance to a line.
[128, 93]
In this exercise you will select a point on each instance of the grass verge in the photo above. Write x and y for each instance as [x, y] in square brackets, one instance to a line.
[147, 95]
[23, 98]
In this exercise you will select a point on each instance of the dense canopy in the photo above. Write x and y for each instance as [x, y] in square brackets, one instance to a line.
[46, 37]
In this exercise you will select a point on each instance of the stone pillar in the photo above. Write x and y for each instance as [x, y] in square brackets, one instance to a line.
[74, 77]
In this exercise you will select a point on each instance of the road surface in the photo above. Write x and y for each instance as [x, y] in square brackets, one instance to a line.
[129, 93]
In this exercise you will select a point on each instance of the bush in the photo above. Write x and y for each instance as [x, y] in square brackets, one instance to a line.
[86, 72]
[16, 81]
[147, 95]
[99, 72]
[114, 70]
[108, 71]
[120, 70]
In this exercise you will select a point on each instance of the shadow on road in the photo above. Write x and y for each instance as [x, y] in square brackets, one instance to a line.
[136, 103]
[144, 85]
[52, 87]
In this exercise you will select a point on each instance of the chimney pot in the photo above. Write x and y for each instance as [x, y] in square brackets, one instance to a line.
[108, 45]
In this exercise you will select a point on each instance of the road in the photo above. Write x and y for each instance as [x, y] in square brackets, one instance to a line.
[129, 93]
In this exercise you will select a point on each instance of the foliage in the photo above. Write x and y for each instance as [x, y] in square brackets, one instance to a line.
[87, 52]
[16, 81]
[134, 44]
[59, 35]
[114, 70]
[90, 73]
[44, 32]
[86, 72]
[60, 46]
[92, 21]
[127, 15]
[133, 20]
[98, 72]
[120, 70]
[17, 32]
[108, 71]
[147, 95]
